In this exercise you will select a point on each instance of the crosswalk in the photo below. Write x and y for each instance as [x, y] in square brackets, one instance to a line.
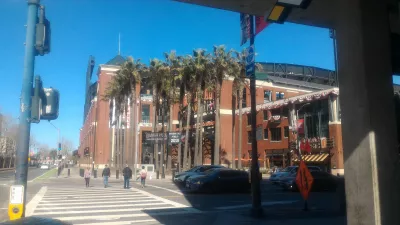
[100, 206]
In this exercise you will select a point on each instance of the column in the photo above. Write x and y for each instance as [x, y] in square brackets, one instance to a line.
[335, 132]
[371, 159]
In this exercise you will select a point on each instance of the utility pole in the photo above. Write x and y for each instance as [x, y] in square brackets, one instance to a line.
[21, 164]
[256, 209]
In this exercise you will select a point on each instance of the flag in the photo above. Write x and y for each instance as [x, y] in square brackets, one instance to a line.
[260, 24]
[245, 28]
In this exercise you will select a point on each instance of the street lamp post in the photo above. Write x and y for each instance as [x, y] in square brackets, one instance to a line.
[297, 131]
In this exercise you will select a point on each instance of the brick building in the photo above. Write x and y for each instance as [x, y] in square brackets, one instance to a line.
[281, 90]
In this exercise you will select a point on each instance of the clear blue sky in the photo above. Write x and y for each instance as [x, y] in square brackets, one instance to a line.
[148, 28]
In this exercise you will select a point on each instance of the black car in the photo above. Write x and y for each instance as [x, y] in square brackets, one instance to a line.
[323, 181]
[181, 178]
[219, 180]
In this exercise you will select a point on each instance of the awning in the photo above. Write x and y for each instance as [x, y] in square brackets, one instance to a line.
[316, 158]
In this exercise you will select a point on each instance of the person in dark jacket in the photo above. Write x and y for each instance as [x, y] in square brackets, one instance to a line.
[127, 173]
[106, 174]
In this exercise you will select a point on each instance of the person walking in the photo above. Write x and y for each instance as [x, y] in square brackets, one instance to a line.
[87, 176]
[106, 174]
[127, 173]
[143, 175]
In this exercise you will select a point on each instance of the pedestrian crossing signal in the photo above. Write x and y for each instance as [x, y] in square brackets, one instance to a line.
[59, 146]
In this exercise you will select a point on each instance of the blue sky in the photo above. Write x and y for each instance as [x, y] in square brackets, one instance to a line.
[148, 28]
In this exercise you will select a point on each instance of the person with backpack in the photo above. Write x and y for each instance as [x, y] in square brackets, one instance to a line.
[143, 175]
[106, 174]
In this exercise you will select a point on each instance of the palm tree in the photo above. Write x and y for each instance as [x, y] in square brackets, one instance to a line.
[188, 73]
[223, 64]
[239, 73]
[201, 61]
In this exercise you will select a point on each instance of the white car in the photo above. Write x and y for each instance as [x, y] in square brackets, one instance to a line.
[45, 167]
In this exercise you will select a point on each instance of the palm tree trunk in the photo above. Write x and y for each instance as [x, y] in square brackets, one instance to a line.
[196, 146]
[121, 144]
[217, 125]
[155, 144]
[233, 131]
[240, 128]
[200, 156]
[185, 156]
[133, 150]
[180, 145]
[169, 127]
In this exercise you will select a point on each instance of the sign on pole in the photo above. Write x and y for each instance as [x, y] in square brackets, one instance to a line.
[156, 136]
[174, 137]
[16, 202]
[250, 61]
[245, 28]
[304, 181]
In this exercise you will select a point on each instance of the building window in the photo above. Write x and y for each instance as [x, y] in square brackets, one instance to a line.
[285, 112]
[248, 119]
[244, 105]
[276, 134]
[145, 113]
[267, 96]
[279, 95]
[266, 134]
[265, 112]
[286, 132]
[276, 112]
[249, 137]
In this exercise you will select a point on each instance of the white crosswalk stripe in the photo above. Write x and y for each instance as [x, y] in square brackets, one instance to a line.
[95, 206]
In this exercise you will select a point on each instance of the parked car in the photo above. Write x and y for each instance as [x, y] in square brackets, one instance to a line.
[323, 181]
[285, 176]
[219, 180]
[181, 178]
[45, 166]
[274, 178]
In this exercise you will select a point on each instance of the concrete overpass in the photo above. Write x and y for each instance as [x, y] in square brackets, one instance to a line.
[367, 57]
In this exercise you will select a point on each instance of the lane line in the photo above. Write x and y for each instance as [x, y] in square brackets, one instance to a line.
[119, 216]
[178, 205]
[120, 222]
[102, 211]
[249, 205]
[42, 175]
[97, 202]
[65, 207]
[31, 206]
[166, 189]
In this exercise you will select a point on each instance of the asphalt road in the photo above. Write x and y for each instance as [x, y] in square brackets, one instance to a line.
[7, 177]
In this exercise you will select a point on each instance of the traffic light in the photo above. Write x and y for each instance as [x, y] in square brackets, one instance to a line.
[50, 104]
[36, 101]
[43, 34]
[86, 151]
[59, 146]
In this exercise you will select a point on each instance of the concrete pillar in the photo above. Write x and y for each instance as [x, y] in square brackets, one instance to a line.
[369, 132]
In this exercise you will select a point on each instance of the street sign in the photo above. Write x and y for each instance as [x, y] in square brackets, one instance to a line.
[259, 133]
[155, 136]
[16, 202]
[174, 137]
[304, 180]
[250, 61]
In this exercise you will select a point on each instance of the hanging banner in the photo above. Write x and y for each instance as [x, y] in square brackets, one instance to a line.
[260, 24]
[245, 28]
[300, 126]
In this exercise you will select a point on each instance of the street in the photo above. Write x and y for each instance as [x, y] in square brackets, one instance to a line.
[162, 202]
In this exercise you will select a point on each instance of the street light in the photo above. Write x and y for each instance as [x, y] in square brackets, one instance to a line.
[297, 130]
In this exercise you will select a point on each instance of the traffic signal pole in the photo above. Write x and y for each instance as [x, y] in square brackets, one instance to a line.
[256, 209]
[22, 153]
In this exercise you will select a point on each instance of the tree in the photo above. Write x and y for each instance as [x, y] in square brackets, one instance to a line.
[53, 154]
[223, 64]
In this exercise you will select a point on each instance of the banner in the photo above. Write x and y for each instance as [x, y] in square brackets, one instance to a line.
[245, 28]
[260, 24]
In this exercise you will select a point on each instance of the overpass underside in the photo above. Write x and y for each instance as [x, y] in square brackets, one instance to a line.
[365, 48]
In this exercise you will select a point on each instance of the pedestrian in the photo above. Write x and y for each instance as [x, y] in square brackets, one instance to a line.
[127, 173]
[87, 176]
[143, 175]
[106, 174]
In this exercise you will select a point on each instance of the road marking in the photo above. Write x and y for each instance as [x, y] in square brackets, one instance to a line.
[90, 197]
[163, 188]
[249, 205]
[31, 206]
[101, 211]
[101, 206]
[42, 175]
[106, 217]
[85, 194]
[142, 199]
[120, 223]
[96, 201]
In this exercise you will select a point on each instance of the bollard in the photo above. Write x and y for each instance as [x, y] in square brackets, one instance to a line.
[95, 173]
[69, 172]
[81, 172]
[173, 174]
[117, 174]
[158, 175]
